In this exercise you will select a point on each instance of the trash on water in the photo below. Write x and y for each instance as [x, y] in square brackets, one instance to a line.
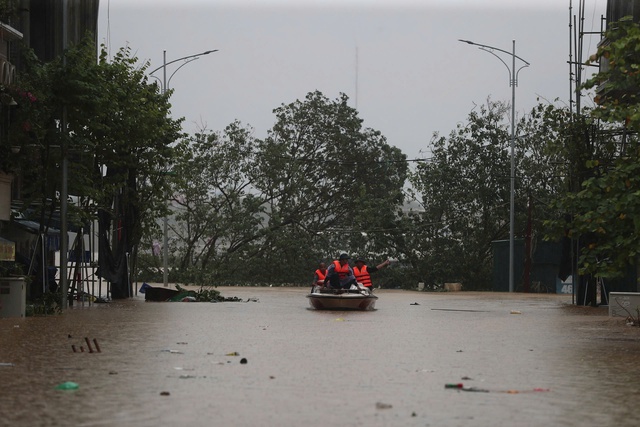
[167, 350]
[69, 385]
[7, 364]
[534, 390]
[165, 393]
[516, 312]
[381, 405]
[476, 389]
[243, 361]
[461, 387]
[414, 303]
[233, 353]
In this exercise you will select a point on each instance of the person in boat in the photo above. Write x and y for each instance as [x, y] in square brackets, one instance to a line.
[340, 274]
[363, 272]
[320, 275]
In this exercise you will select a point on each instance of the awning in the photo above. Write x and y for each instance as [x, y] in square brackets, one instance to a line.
[52, 235]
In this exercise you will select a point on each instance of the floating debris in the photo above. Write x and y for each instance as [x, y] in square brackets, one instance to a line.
[461, 387]
[380, 405]
[165, 393]
[243, 361]
[233, 353]
[69, 385]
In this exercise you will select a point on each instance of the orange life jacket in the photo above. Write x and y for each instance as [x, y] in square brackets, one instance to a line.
[362, 275]
[321, 275]
[342, 270]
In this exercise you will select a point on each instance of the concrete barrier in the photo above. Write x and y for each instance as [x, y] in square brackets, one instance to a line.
[624, 304]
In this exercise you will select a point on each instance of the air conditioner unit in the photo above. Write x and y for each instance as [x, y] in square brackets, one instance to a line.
[13, 293]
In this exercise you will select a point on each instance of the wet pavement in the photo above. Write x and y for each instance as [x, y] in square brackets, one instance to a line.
[271, 360]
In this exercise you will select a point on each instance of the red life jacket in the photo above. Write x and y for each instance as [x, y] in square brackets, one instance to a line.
[362, 275]
[342, 270]
[321, 275]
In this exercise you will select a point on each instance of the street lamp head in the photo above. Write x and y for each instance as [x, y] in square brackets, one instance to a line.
[188, 57]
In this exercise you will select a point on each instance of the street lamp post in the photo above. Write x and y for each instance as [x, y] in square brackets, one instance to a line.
[513, 82]
[165, 82]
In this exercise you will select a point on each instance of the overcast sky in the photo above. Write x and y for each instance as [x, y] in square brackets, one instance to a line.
[399, 61]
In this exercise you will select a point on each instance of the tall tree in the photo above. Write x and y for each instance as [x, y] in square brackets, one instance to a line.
[277, 201]
[216, 210]
[604, 209]
[117, 134]
[133, 146]
[464, 190]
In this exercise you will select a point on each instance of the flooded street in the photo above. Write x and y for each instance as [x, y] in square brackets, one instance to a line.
[539, 362]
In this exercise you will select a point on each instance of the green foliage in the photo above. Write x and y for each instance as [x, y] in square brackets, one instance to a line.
[48, 303]
[605, 219]
[601, 208]
[114, 121]
[111, 125]
[8, 10]
[464, 192]
[207, 294]
[133, 139]
[619, 82]
[243, 206]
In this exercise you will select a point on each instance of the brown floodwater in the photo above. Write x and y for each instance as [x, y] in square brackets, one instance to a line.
[541, 362]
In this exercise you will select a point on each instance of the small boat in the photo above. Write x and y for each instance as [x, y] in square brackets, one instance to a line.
[356, 298]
